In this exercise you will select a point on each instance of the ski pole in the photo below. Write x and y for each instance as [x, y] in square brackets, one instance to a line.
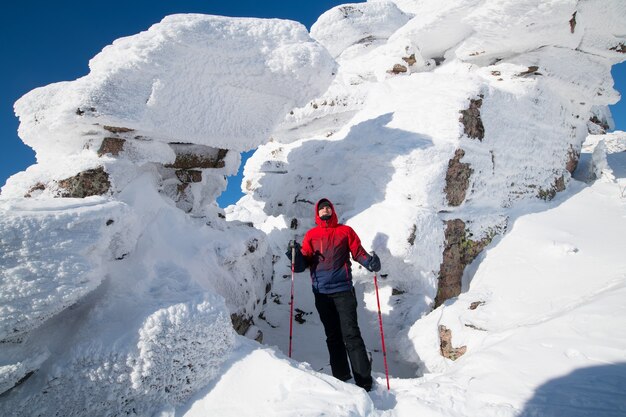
[382, 334]
[293, 257]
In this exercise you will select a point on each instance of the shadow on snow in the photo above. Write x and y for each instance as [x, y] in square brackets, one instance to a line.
[598, 391]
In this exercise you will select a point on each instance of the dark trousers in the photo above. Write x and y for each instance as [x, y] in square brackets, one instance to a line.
[343, 337]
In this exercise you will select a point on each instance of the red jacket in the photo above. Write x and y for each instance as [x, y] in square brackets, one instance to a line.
[327, 248]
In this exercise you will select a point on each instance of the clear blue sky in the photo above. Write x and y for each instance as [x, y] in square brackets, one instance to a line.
[46, 41]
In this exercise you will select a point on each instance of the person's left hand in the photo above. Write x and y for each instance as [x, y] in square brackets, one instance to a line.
[374, 263]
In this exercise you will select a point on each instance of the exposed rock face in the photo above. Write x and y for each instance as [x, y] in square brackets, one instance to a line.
[37, 187]
[457, 179]
[572, 160]
[185, 178]
[398, 69]
[532, 70]
[85, 184]
[452, 266]
[112, 146]
[117, 129]
[410, 60]
[412, 235]
[445, 345]
[459, 252]
[549, 193]
[476, 304]
[188, 175]
[602, 124]
[197, 156]
[81, 111]
[572, 23]
[472, 123]
[621, 48]
[241, 322]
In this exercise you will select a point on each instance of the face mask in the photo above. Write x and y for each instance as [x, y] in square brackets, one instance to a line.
[325, 217]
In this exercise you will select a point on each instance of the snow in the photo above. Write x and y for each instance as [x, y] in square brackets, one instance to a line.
[541, 343]
[124, 302]
[276, 386]
[357, 23]
[206, 79]
[557, 267]
[112, 299]
[51, 257]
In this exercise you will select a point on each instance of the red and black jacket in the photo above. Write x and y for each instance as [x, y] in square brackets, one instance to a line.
[326, 249]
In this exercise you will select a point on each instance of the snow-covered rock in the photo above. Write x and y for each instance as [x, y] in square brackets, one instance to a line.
[448, 123]
[357, 23]
[202, 79]
[121, 282]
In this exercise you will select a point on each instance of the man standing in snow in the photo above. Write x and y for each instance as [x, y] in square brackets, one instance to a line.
[326, 251]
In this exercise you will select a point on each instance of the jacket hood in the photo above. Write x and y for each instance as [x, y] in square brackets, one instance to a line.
[333, 218]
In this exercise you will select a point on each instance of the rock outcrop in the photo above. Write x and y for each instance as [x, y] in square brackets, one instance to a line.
[445, 345]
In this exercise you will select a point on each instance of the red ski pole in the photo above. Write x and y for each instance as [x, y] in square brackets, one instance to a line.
[293, 256]
[382, 333]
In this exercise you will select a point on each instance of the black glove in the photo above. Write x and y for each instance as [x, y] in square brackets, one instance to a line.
[300, 263]
[373, 263]
[293, 245]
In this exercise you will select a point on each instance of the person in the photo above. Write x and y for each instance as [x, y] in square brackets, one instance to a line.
[326, 251]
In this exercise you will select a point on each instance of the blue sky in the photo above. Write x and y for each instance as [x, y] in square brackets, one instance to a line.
[49, 41]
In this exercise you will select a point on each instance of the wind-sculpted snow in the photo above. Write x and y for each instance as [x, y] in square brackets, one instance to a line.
[487, 30]
[357, 35]
[354, 23]
[209, 80]
[604, 149]
[177, 350]
[51, 257]
[122, 314]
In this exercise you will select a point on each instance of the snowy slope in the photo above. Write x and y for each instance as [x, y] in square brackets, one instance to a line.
[122, 280]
